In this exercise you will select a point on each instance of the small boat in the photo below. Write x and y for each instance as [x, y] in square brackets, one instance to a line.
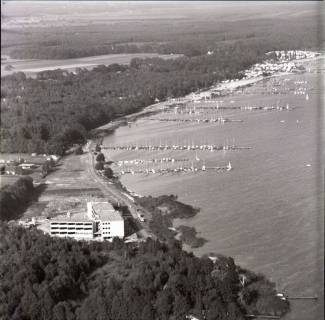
[203, 166]
[229, 167]
[281, 296]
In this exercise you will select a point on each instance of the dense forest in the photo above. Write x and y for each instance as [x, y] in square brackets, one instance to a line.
[62, 279]
[14, 198]
[164, 209]
[48, 114]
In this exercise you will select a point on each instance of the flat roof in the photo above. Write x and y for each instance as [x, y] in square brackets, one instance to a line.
[74, 217]
[106, 212]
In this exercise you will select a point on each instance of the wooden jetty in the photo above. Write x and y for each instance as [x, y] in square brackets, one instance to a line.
[176, 147]
[261, 316]
[303, 298]
[245, 108]
[212, 120]
[180, 169]
[148, 161]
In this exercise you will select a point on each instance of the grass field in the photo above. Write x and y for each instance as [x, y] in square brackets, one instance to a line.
[68, 187]
[59, 30]
[31, 67]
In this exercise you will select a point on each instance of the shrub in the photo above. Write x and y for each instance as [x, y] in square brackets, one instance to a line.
[100, 157]
[99, 166]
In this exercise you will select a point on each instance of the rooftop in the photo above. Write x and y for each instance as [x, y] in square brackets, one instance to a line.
[105, 211]
[74, 217]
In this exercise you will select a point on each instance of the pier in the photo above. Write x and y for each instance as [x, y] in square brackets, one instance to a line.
[141, 161]
[303, 298]
[212, 120]
[176, 147]
[261, 316]
[189, 110]
[180, 169]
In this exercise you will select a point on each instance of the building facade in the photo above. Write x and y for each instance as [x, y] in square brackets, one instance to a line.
[80, 230]
[100, 222]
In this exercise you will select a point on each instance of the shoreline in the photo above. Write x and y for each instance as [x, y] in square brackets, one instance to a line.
[180, 232]
[155, 107]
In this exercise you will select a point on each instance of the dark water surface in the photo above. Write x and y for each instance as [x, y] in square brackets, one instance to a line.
[266, 212]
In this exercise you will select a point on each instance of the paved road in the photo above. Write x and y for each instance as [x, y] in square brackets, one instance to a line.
[114, 194]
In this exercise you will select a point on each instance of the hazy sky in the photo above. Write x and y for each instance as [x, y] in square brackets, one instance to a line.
[37, 8]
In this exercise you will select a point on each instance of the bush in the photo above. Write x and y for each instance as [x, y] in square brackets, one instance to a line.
[108, 172]
[99, 166]
[13, 197]
[44, 277]
[100, 157]
[79, 150]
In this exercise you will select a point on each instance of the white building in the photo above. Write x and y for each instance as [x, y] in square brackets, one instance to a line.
[108, 221]
[100, 222]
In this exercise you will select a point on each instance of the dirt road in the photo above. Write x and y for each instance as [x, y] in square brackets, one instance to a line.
[113, 193]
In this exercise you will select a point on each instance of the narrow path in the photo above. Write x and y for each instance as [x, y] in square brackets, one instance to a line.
[114, 194]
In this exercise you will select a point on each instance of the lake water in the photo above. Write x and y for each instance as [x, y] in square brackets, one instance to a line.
[266, 212]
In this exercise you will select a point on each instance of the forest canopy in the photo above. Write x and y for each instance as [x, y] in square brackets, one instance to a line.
[14, 198]
[63, 279]
[58, 108]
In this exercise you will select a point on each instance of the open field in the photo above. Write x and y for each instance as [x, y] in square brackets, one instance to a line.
[66, 30]
[32, 66]
[71, 185]
[67, 188]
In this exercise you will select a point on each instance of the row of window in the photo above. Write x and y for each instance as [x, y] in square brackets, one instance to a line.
[72, 233]
[72, 223]
[72, 228]
[69, 233]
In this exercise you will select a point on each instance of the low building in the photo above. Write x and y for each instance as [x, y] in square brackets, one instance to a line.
[100, 222]
[28, 165]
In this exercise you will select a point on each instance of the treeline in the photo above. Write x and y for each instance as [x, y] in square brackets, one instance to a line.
[174, 208]
[58, 108]
[193, 37]
[163, 210]
[15, 197]
[48, 114]
[62, 279]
